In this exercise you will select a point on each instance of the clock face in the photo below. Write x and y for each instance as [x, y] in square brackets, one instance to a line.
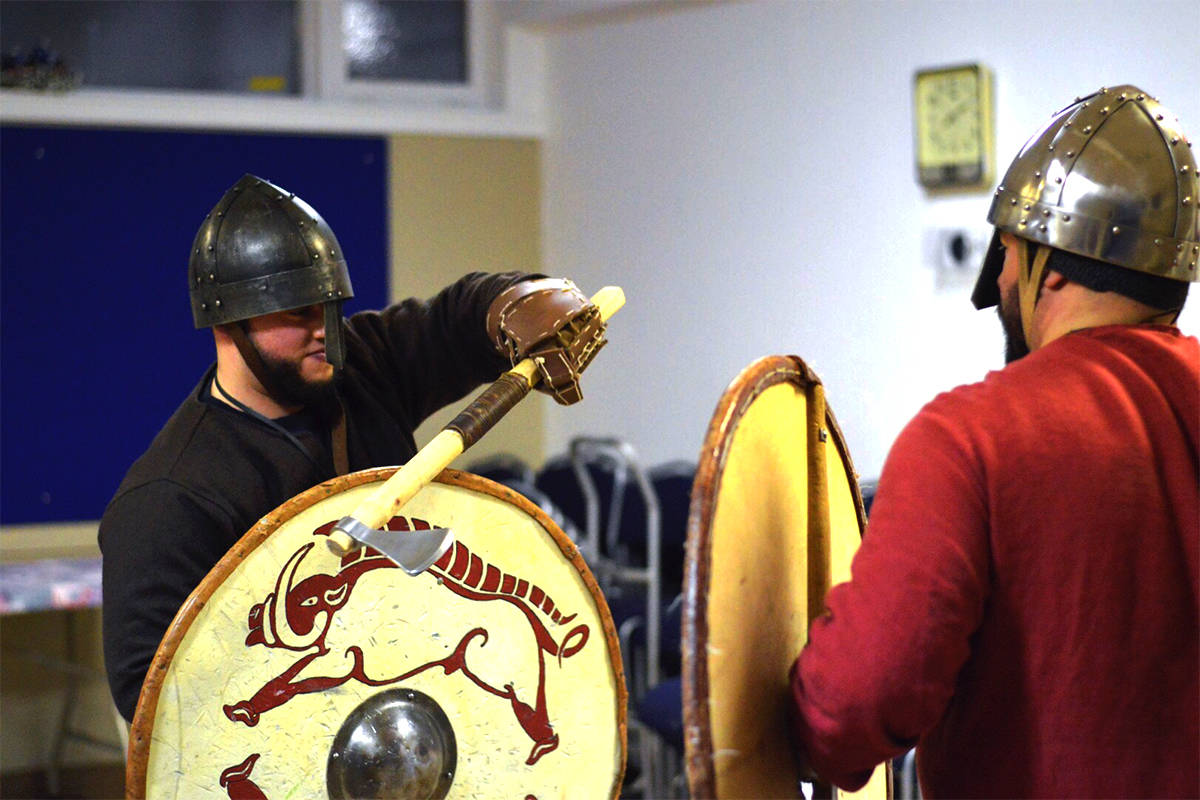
[952, 126]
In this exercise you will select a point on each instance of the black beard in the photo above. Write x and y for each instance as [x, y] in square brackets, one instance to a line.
[1015, 346]
[289, 388]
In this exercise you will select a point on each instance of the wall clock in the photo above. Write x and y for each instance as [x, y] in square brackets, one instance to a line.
[953, 125]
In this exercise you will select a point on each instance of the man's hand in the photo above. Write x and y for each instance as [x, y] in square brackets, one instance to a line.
[551, 321]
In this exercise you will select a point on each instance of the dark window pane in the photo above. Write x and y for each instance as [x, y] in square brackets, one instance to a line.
[406, 40]
[208, 45]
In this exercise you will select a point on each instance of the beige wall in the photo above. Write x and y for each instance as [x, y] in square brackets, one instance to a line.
[463, 204]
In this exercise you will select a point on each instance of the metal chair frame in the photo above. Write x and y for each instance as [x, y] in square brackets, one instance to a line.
[608, 559]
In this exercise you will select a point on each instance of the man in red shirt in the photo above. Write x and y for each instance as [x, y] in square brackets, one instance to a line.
[1024, 606]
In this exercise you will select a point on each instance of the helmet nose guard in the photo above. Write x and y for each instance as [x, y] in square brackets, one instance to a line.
[262, 249]
[1110, 177]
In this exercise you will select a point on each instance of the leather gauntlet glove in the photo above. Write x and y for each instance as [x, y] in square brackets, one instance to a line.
[551, 321]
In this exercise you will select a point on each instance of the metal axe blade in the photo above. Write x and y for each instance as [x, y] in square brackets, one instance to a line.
[412, 551]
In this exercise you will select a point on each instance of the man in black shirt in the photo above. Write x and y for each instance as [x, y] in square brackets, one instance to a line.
[298, 395]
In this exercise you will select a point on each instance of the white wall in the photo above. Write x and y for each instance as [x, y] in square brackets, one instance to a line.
[745, 171]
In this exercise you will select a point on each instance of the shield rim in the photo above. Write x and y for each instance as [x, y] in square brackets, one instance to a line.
[762, 374]
[140, 732]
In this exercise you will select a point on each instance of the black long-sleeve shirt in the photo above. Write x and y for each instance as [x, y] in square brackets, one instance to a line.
[212, 471]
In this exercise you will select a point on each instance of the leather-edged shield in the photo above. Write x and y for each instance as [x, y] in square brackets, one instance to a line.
[775, 518]
[508, 634]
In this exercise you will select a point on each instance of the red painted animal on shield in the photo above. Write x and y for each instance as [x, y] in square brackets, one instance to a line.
[298, 615]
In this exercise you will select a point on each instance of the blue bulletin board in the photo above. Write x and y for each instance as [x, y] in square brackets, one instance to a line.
[97, 346]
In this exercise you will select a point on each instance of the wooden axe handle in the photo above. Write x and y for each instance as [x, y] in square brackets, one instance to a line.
[491, 404]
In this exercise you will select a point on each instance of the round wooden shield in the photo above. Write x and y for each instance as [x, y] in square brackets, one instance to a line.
[775, 518]
[506, 639]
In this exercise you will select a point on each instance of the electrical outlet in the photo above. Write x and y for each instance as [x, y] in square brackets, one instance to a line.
[958, 255]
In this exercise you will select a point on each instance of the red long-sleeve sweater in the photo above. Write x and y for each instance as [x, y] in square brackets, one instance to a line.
[1025, 601]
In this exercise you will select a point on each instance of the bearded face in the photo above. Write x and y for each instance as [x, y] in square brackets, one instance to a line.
[290, 387]
[288, 357]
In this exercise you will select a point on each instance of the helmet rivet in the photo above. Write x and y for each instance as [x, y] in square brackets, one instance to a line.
[1122, 96]
[1070, 154]
[1087, 128]
[212, 276]
[1042, 227]
[1066, 124]
[1027, 206]
[1178, 248]
[1012, 202]
[1184, 169]
[1058, 179]
[1037, 173]
[316, 256]
[220, 213]
[1174, 140]
[1051, 148]
[1158, 117]
[1157, 241]
[204, 306]
[1024, 221]
[329, 294]
[211, 248]
[216, 303]
[1104, 110]
[1116, 231]
[1187, 201]
[1046, 212]
[333, 253]
[1066, 217]
[1141, 97]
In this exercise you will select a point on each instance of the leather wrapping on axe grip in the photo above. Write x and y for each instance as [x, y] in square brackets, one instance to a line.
[486, 410]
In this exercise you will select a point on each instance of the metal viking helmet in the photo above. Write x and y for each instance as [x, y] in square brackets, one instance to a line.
[262, 249]
[1110, 177]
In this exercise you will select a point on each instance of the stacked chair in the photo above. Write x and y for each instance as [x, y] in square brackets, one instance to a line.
[630, 524]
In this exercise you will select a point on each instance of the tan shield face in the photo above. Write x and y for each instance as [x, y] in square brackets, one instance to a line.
[504, 651]
[775, 518]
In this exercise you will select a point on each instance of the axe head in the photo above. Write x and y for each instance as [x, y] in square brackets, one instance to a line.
[412, 551]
